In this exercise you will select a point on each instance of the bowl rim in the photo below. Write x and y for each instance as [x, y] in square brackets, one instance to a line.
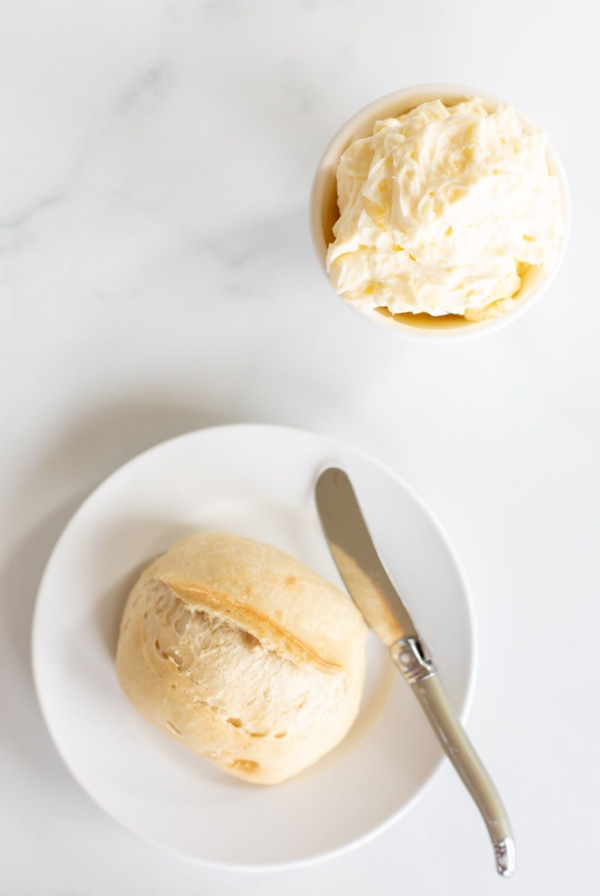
[345, 135]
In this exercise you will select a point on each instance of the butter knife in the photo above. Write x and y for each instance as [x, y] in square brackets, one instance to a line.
[384, 611]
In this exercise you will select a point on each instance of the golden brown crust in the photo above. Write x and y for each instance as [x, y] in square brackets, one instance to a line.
[243, 655]
[280, 600]
[251, 620]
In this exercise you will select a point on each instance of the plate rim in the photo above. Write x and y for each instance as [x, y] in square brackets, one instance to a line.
[470, 618]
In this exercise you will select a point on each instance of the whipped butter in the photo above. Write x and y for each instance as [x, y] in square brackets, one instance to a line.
[443, 210]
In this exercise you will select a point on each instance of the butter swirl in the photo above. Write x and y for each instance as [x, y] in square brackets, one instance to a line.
[443, 210]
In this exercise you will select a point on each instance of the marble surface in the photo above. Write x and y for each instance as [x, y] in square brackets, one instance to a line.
[156, 276]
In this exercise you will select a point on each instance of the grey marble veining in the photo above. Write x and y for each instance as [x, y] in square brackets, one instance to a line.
[156, 275]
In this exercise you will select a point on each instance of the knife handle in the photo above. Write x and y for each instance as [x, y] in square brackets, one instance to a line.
[418, 669]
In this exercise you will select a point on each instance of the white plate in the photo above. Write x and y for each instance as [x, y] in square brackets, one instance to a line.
[258, 481]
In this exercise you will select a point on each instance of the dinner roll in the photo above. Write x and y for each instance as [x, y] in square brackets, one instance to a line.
[242, 654]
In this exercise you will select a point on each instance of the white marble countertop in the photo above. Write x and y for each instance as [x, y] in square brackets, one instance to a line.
[156, 276]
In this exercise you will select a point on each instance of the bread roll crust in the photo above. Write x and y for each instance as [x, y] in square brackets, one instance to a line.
[243, 654]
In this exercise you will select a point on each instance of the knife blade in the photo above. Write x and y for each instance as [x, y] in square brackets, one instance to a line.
[384, 611]
[358, 562]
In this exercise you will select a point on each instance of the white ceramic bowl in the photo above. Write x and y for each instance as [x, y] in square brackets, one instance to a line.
[324, 213]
